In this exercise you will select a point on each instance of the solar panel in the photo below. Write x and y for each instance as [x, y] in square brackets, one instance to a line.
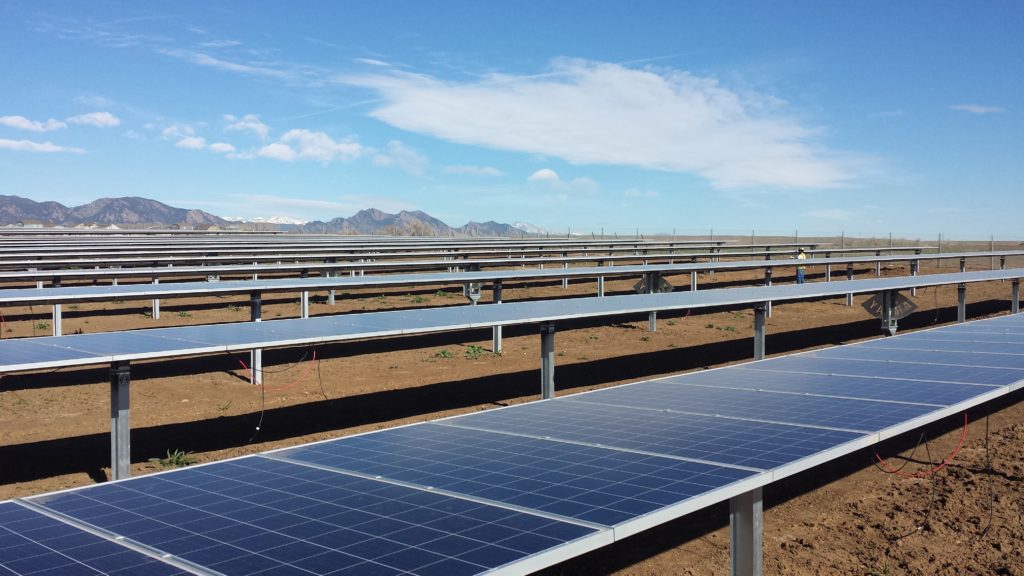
[886, 389]
[587, 483]
[814, 364]
[920, 344]
[256, 514]
[846, 414]
[964, 336]
[1015, 361]
[756, 445]
[24, 354]
[34, 544]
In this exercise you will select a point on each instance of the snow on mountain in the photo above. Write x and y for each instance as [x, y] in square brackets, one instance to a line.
[529, 228]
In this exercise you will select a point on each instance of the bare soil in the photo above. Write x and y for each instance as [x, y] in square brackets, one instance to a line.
[847, 517]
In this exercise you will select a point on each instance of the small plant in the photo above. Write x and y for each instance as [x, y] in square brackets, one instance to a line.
[474, 352]
[442, 294]
[184, 314]
[443, 353]
[78, 331]
[592, 337]
[73, 306]
[175, 459]
[645, 338]
[234, 307]
[728, 328]
[709, 325]
[670, 322]
[146, 314]
[224, 407]
[41, 325]
[417, 299]
[672, 346]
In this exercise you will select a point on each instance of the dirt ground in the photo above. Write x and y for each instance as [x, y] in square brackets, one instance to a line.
[848, 517]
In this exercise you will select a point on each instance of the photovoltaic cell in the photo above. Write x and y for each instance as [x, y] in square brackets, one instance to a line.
[757, 445]
[812, 363]
[921, 344]
[597, 485]
[848, 414]
[257, 515]
[34, 544]
[1015, 361]
[893, 390]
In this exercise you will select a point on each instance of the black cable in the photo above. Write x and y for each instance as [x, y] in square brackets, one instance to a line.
[263, 410]
[991, 488]
[320, 380]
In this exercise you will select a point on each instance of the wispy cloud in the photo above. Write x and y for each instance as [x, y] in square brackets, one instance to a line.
[544, 175]
[221, 148]
[473, 170]
[22, 123]
[249, 123]
[600, 113]
[97, 119]
[828, 214]
[402, 157]
[211, 61]
[977, 109]
[32, 146]
[192, 143]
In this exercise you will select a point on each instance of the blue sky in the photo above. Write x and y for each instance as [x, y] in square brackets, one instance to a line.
[866, 117]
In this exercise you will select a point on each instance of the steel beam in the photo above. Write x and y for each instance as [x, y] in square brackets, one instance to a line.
[496, 331]
[120, 425]
[963, 265]
[759, 325]
[547, 361]
[600, 286]
[156, 303]
[768, 282]
[913, 273]
[57, 320]
[1015, 297]
[653, 279]
[889, 320]
[746, 533]
[849, 276]
[256, 356]
[961, 302]
[693, 281]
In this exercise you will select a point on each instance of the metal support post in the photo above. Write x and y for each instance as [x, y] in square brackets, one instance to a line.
[120, 426]
[768, 282]
[913, 273]
[1002, 262]
[565, 279]
[156, 303]
[547, 361]
[759, 322]
[889, 320]
[653, 279]
[828, 272]
[746, 532]
[57, 330]
[304, 299]
[849, 276]
[963, 265]
[600, 286]
[1015, 297]
[256, 356]
[330, 292]
[693, 280]
[878, 269]
[496, 331]
[961, 302]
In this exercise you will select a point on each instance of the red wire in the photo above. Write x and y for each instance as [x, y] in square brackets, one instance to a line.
[293, 384]
[927, 473]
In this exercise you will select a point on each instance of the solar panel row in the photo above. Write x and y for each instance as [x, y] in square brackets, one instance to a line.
[513, 489]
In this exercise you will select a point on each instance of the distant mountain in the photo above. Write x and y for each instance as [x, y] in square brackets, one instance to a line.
[410, 223]
[528, 228]
[128, 211]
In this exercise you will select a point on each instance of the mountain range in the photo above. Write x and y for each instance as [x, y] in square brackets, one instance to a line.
[138, 212]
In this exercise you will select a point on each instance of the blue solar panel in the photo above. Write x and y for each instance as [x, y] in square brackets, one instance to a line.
[757, 445]
[927, 357]
[260, 515]
[942, 335]
[593, 484]
[847, 414]
[939, 393]
[945, 346]
[812, 363]
[25, 351]
[31, 543]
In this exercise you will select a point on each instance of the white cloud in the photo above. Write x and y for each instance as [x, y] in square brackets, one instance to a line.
[178, 131]
[221, 148]
[277, 151]
[600, 113]
[22, 123]
[829, 214]
[249, 69]
[403, 157]
[310, 145]
[31, 146]
[94, 101]
[248, 123]
[372, 62]
[473, 170]
[192, 143]
[545, 175]
[976, 109]
[98, 119]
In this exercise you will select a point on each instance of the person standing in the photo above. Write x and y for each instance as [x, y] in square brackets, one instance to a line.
[800, 269]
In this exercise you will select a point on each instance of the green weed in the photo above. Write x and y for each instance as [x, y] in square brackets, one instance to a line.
[474, 352]
[443, 353]
[175, 459]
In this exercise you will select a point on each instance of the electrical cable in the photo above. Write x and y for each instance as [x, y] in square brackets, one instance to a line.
[924, 474]
[991, 487]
